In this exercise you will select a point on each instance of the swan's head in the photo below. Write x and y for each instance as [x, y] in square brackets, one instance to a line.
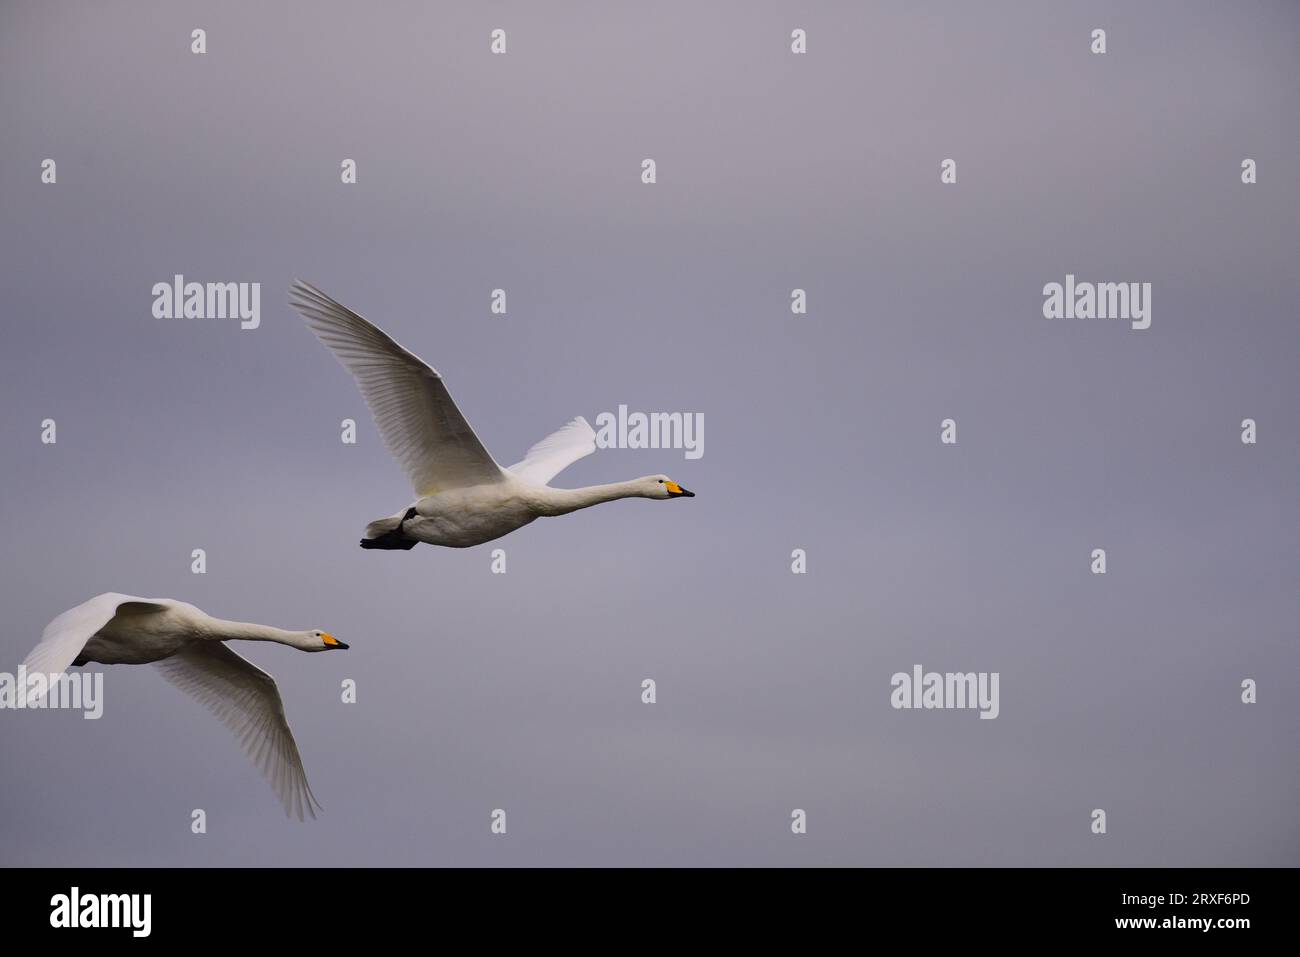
[324, 641]
[661, 486]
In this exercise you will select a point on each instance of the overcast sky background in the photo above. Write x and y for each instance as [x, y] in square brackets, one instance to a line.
[478, 691]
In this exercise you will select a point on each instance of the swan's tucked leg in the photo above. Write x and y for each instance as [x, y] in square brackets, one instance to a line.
[387, 532]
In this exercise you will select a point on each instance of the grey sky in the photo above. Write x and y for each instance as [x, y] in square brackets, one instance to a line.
[522, 691]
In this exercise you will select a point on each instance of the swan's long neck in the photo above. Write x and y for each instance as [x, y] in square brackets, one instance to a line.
[561, 501]
[222, 630]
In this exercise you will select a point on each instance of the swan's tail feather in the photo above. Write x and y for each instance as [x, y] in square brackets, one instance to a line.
[387, 532]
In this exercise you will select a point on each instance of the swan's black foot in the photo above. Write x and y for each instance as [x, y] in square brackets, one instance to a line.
[390, 540]
[394, 537]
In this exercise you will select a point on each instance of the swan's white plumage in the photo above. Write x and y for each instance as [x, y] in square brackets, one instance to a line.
[64, 637]
[465, 497]
[417, 418]
[246, 700]
[555, 453]
[187, 646]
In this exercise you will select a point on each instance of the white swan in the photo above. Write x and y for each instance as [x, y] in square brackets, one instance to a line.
[464, 497]
[187, 645]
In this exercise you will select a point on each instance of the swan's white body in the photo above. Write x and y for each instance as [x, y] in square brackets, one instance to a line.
[470, 516]
[189, 648]
[464, 497]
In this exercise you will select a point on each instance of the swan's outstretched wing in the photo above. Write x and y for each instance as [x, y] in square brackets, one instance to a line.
[417, 418]
[67, 634]
[247, 701]
[555, 453]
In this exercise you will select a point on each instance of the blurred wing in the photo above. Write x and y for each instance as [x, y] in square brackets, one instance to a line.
[555, 453]
[67, 634]
[247, 701]
[420, 424]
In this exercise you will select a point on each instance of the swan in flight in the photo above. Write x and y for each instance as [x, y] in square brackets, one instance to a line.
[464, 497]
[189, 648]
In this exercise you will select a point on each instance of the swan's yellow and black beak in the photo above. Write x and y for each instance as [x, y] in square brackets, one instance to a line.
[676, 491]
[332, 642]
